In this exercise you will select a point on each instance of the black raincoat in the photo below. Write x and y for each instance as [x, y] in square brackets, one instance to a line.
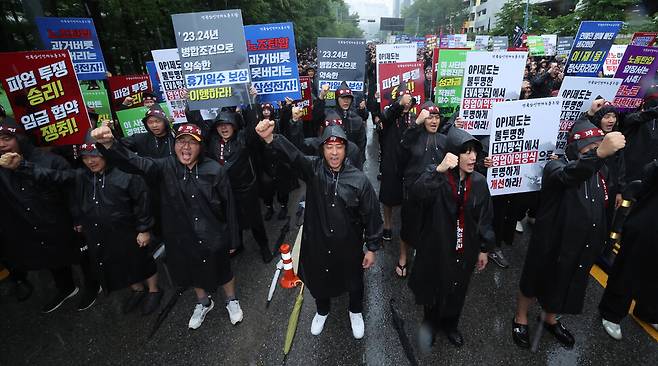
[641, 132]
[394, 122]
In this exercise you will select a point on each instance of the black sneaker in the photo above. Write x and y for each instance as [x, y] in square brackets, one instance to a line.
[496, 255]
[455, 337]
[283, 213]
[58, 300]
[269, 213]
[23, 290]
[561, 333]
[151, 302]
[387, 234]
[266, 254]
[520, 334]
[88, 298]
[133, 300]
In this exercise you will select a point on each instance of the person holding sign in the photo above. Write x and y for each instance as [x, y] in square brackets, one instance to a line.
[341, 212]
[641, 130]
[455, 235]
[157, 141]
[199, 223]
[569, 233]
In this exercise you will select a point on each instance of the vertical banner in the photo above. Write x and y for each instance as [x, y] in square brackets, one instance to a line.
[637, 70]
[647, 39]
[167, 65]
[590, 47]
[500, 43]
[155, 81]
[78, 35]
[132, 86]
[341, 59]
[392, 75]
[130, 120]
[481, 43]
[450, 75]
[95, 97]
[489, 77]
[44, 94]
[550, 44]
[213, 55]
[536, 46]
[613, 59]
[564, 45]
[577, 95]
[273, 61]
[306, 102]
[522, 139]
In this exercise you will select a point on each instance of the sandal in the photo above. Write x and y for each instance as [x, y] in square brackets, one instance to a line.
[403, 270]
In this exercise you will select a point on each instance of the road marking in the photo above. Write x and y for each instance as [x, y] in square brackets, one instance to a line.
[602, 278]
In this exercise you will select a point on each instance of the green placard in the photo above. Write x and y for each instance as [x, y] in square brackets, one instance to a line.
[536, 46]
[450, 75]
[131, 119]
[4, 102]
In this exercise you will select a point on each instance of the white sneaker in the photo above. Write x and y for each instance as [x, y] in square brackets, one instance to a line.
[654, 326]
[358, 328]
[613, 329]
[199, 315]
[234, 311]
[519, 227]
[318, 324]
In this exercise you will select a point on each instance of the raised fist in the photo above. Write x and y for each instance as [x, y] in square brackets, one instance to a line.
[612, 142]
[265, 129]
[10, 160]
[103, 135]
[449, 161]
[296, 113]
[422, 116]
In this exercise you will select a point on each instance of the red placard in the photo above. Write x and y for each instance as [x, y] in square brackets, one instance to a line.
[125, 86]
[644, 39]
[306, 103]
[392, 75]
[45, 96]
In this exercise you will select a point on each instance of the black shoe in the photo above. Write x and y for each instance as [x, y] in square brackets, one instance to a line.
[379, 176]
[151, 302]
[560, 333]
[23, 290]
[455, 337]
[133, 301]
[88, 298]
[520, 334]
[58, 300]
[236, 252]
[283, 213]
[387, 234]
[497, 256]
[266, 254]
[268, 214]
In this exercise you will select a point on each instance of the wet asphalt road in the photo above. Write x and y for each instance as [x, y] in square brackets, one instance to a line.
[102, 335]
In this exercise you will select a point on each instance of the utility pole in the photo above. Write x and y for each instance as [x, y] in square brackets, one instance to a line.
[527, 15]
[417, 24]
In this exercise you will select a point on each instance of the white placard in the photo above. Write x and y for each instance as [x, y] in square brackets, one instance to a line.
[550, 44]
[612, 61]
[167, 64]
[394, 53]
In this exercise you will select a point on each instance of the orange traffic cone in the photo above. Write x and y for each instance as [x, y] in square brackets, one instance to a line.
[289, 279]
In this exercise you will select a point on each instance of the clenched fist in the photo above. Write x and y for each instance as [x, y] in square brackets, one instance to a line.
[296, 113]
[10, 160]
[405, 100]
[449, 161]
[596, 105]
[325, 90]
[422, 116]
[612, 142]
[265, 129]
[103, 136]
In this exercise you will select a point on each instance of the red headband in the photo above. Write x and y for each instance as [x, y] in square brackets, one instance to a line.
[333, 122]
[335, 139]
[10, 130]
[88, 147]
[592, 132]
[432, 109]
[344, 92]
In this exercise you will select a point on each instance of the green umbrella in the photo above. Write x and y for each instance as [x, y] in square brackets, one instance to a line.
[292, 322]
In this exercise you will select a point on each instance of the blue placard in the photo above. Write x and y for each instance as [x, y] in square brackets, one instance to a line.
[590, 47]
[78, 35]
[155, 81]
[273, 61]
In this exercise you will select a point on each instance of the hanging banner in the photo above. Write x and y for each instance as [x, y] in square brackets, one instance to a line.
[306, 103]
[124, 86]
[168, 67]
[155, 81]
[500, 43]
[577, 95]
[213, 55]
[273, 61]
[520, 145]
[489, 77]
[613, 59]
[341, 59]
[536, 46]
[130, 120]
[450, 74]
[453, 41]
[392, 75]
[550, 44]
[638, 71]
[78, 35]
[45, 97]
[564, 45]
[647, 39]
[95, 97]
[590, 47]
[481, 43]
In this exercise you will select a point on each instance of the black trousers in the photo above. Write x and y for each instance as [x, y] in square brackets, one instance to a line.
[356, 302]
[259, 233]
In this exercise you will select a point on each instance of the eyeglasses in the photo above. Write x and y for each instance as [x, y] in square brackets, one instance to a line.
[187, 142]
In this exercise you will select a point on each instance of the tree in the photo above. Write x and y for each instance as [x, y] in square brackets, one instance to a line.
[431, 16]
[513, 13]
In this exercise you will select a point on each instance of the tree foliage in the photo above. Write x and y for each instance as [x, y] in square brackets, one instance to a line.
[434, 16]
[128, 30]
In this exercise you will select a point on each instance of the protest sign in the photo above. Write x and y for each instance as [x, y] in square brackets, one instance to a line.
[392, 53]
[450, 74]
[95, 97]
[577, 95]
[481, 43]
[489, 77]
[613, 59]
[637, 70]
[590, 47]
[78, 35]
[306, 102]
[152, 71]
[168, 67]
[550, 44]
[44, 94]
[391, 76]
[273, 61]
[132, 86]
[431, 40]
[564, 45]
[130, 120]
[453, 41]
[500, 43]
[644, 39]
[536, 46]
[213, 56]
[522, 139]
[341, 59]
